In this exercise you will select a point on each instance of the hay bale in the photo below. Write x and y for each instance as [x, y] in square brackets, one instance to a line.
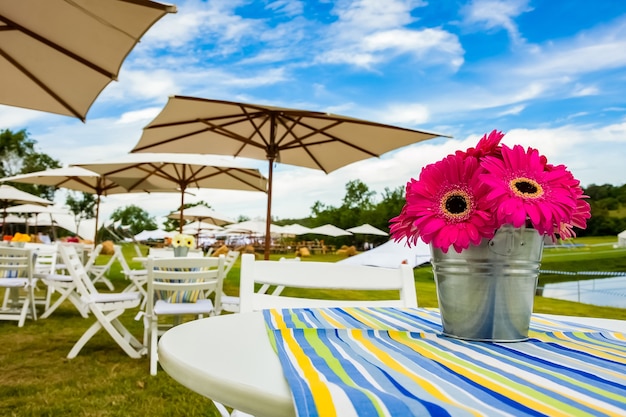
[351, 251]
[222, 250]
[107, 248]
[304, 252]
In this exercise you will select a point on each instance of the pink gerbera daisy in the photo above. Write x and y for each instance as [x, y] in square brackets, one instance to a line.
[523, 188]
[581, 213]
[487, 145]
[446, 206]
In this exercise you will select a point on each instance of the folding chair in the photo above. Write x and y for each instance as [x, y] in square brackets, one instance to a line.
[64, 285]
[323, 276]
[106, 308]
[137, 277]
[229, 303]
[176, 287]
[97, 273]
[15, 276]
[44, 265]
[44, 256]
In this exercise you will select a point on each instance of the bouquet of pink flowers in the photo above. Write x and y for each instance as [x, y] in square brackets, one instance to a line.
[467, 196]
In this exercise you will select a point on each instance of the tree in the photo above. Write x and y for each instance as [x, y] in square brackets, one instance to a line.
[83, 207]
[137, 218]
[358, 196]
[18, 155]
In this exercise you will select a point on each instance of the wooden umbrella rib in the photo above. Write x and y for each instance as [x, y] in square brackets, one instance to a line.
[333, 138]
[41, 85]
[59, 48]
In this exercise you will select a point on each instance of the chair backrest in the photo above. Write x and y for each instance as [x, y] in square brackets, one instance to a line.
[119, 255]
[322, 276]
[184, 279]
[15, 262]
[45, 260]
[92, 256]
[230, 259]
[74, 265]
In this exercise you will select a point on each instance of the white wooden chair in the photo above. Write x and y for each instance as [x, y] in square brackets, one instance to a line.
[106, 308]
[62, 283]
[44, 258]
[137, 277]
[15, 276]
[322, 276]
[229, 303]
[176, 287]
[97, 273]
[44, 265]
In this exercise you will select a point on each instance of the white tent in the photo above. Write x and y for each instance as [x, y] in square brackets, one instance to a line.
[153, 234]
[621, 239]
[367, 229]
[391, 255]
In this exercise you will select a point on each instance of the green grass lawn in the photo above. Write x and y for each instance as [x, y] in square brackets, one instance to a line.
[37, 380]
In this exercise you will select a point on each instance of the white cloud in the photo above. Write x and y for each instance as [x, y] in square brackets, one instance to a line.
[368, 32]
[406, 114]
[496, 14]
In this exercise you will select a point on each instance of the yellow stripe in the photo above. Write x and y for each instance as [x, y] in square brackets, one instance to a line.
[321, 394]
[563, 377]
[472, 371]
[424, 383]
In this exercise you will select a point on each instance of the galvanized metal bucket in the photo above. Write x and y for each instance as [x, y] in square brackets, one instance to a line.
[181, 251]
[486, 292]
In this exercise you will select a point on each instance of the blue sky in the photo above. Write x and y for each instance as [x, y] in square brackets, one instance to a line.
[550, 74]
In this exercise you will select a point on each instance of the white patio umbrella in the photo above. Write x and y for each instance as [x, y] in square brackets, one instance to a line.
[10, 195]
[330, 230]
[177, 173]
[303, 138]
[197, 227]
[73, 178]
[204, 214]
[36, 210]
[367, 229]
[295, 229]
[252, 226]
[58, 55]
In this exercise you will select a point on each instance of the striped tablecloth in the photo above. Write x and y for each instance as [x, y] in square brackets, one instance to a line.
[394, 362]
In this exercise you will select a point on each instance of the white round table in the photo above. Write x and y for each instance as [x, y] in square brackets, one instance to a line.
[229, 359]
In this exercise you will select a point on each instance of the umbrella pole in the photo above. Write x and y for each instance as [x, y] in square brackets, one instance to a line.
[266, 254]
[182, 203]
[95, 235]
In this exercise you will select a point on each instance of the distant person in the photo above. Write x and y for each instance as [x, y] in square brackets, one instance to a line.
[44, 238]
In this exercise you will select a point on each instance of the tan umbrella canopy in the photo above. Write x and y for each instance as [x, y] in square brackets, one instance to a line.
[367, 229]
[72, 178]
[58, 55]
[160, 172]
[296, 137]
[203, 214]
[10, 195]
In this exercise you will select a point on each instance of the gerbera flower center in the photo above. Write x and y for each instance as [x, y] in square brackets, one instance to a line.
[456, 204]
[526, 187]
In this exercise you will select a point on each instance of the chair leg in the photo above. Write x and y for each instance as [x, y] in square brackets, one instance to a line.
[67, 294]
[110, 323]
[153, 353]
[5, 302]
